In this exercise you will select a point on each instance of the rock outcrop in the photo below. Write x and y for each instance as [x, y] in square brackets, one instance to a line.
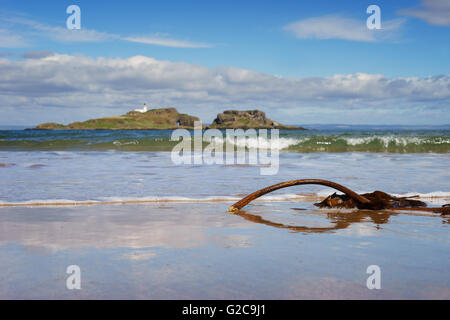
[255, 119]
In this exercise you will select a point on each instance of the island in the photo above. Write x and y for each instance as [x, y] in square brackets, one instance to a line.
[156, 119]
[170, 118]
[250, 119]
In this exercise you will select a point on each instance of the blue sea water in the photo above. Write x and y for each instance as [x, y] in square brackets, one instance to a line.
[102, 165]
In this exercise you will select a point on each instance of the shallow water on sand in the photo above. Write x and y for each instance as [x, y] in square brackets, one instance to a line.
[198, 251]
[41, 176]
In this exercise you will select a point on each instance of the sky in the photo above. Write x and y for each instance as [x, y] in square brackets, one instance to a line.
[301, 62]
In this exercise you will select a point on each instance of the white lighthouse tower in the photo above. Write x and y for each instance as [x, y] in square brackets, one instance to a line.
[144, 109]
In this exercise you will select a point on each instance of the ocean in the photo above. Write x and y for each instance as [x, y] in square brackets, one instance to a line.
[141, 226]
[102, 165]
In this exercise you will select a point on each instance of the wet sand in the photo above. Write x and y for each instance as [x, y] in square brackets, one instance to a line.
[273, 250]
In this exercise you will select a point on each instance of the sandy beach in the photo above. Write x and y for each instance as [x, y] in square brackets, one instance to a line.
[198, 251]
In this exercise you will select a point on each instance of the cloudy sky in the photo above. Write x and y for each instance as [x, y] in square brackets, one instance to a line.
[301, 62]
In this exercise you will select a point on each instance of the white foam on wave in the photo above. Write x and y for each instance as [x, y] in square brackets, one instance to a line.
[286, 142]
[43, 202]
[259, 142]
[429, 195]
[120, 143]
[437, 198]
[149, 199]
[168, 199]
[403, 141]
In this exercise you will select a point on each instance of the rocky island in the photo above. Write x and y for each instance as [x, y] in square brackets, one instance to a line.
[159, 119]
[250, 119]
[170, 118]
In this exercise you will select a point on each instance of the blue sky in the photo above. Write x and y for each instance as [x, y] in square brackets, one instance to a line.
[240, 44]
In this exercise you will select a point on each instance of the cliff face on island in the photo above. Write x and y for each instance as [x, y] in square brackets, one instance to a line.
[166, 118]
[255, 119]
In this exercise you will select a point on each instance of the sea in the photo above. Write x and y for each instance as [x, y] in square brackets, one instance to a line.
[141, 226]
[39, 166]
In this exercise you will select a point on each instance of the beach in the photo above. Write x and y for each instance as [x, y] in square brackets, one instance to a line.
[141, 227]
[197, 251]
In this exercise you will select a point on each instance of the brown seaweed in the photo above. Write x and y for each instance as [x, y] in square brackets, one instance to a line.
[377, 200]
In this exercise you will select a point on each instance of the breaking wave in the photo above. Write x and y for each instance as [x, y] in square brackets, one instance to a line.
[289, 141]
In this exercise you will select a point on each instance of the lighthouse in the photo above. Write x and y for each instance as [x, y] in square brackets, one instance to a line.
[144, 109]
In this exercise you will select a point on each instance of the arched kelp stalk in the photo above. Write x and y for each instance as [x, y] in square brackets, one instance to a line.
[377, 200]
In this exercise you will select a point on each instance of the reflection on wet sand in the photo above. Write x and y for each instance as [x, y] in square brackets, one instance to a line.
[340, 220]
[132, 226]
[153, 225]
[198, 251]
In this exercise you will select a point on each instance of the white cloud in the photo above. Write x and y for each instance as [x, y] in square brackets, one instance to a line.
[165, 42]
[11, 40]
[60, 34]
[64, 35]
[338, 27]
[83, 87]
[436, 12]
